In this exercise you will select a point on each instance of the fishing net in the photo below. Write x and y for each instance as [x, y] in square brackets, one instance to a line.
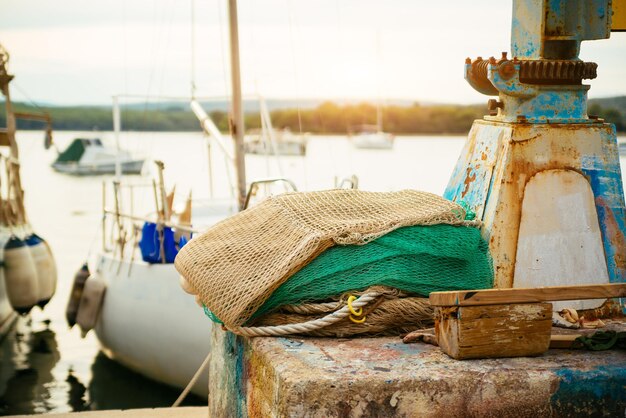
[235, 266]
[415, 259]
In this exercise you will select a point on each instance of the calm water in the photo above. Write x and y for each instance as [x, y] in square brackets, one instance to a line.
[44, 367]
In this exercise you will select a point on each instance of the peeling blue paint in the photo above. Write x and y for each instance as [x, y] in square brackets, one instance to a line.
[580, 392]
[472, 177]
[605, 179]
[535, 21]
[526, 33]
[538, 104]
[234, 351]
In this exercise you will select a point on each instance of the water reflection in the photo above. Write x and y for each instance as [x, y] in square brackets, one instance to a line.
[113, 386]
[20, 393]
[28, 356]
[76, 393]
[31, 382]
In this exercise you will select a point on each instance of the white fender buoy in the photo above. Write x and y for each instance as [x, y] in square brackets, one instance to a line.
[90, 304]
[20, 276]
[45, 266]
[71, 310]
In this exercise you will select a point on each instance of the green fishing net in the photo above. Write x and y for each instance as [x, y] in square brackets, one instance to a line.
[416, 259]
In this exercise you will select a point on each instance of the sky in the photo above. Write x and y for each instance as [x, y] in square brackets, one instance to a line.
[72, 52]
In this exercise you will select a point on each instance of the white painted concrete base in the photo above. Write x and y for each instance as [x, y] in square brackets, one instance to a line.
[559, 237]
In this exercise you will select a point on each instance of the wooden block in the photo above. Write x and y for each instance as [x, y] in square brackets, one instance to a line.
[515, 330]
[527, 295]
[563, 341]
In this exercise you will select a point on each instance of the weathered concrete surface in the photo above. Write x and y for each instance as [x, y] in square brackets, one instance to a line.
[183, 412]
[381, 377]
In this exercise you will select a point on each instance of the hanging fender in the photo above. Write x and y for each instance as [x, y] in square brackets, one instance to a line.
[71, 310]
[45, 266]
[90, 303]
[20, 276]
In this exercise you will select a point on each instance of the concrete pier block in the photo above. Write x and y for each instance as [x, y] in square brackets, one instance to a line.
[383, 377]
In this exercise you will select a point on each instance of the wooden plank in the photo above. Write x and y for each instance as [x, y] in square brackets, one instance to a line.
[527, 295]
[494, 331]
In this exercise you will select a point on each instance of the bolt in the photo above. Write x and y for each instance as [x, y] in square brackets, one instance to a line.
[468, 60]
[493, 105]
[507, 70]
[492, 60]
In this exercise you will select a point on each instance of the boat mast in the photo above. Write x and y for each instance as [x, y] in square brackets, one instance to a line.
[117, 127]
[379, 106]
[5, 79]
[236, 122]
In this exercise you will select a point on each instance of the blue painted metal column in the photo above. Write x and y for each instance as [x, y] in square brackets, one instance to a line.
[539, 123]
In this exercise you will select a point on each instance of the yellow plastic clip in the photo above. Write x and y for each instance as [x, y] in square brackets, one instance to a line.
[358, 321]
[352, 311]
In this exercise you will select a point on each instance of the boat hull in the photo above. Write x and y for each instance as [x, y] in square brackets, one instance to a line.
[379, 140]
[296, 148]
[128, 167]
[150, 325]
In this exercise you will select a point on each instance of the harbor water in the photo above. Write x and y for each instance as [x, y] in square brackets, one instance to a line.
[46, 367]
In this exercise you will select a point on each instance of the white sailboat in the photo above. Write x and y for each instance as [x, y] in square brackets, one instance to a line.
[373, 136]
[146, 321]
[141, 315]
[286, 143]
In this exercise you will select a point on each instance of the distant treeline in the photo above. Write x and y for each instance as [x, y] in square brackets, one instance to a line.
[327, 118]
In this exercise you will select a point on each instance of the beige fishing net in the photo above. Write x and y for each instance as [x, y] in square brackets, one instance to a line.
[236, 265]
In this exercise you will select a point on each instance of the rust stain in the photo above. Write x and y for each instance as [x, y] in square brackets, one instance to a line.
[609, 309]
[469, 178]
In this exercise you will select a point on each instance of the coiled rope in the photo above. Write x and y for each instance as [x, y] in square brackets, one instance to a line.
[314, 325]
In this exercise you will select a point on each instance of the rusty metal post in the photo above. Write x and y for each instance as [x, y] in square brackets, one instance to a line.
[542, 175]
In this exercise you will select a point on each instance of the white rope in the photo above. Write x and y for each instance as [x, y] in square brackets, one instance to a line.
[312, 308]
[192, 382]
[314, 325]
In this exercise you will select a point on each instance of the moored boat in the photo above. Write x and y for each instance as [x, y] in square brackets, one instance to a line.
[370, 137]
[286, 143]
[89, 156]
